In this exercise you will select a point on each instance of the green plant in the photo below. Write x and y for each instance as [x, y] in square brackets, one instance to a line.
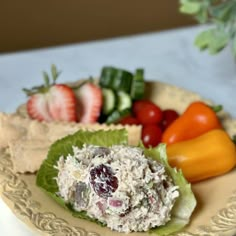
[221, 14]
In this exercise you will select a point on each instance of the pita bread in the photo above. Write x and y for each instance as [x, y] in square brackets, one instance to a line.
[28, 140]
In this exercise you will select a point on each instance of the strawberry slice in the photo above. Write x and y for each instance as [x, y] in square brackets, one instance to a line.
[37, 108]
[62, 103]
[89, 102]
[51, 101]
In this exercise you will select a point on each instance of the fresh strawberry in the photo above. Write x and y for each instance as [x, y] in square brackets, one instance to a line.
[89, 102]
[51, 101]
[37, 107]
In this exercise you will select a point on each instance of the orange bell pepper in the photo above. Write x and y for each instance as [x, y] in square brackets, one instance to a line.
[197, 119]
[208, 155]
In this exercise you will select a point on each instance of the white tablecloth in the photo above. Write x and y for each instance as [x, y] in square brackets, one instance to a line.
[167, 56]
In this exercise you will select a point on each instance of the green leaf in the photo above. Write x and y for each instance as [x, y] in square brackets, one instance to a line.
[184, 205]
[222, 11]
[55, 73]
[47, 173]
[190, 7]
[46, 79]
[216, 108]
[202, 16]
[213, 39]
[203, 39]
[219, 40]
[221, 14]
[234, 46]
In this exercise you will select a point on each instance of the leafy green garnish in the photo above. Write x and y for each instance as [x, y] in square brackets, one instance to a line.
[47, 173]
[183, 207]
[192, 7]
[49, 81]
[222, 16]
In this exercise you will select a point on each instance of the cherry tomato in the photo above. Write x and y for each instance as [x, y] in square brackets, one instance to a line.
[138, 105]
[151, 135]
[129, 120]
[149, 114]
[169, 115]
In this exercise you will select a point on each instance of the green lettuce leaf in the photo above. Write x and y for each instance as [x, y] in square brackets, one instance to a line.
[184, 205]
[46, 175]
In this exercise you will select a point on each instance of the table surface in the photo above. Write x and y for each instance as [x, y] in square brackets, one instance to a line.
[167, 56]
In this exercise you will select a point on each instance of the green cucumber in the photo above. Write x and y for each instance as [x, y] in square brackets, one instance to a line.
[123, 101]
[109, 101]
[116, 116]
[116, 79]
[122, 81]
[107, 77]
[138, 85]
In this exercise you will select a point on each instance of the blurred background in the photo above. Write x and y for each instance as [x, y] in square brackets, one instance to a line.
[28, 24]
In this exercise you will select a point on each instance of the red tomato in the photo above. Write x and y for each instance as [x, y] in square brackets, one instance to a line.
[151, 135]
[169, 115]
[149, 114]
[138, 105]
[129, 120]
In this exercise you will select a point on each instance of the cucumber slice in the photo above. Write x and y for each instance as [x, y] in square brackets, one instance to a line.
[109, 101]
[123, 101]
[107, 76]
[116, 116]
[138, 85]
[116, 79]
[122, 81]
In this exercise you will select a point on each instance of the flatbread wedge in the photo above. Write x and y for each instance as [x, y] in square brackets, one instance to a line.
[29, 140]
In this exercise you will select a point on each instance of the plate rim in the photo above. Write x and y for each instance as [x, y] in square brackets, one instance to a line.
[19, 196]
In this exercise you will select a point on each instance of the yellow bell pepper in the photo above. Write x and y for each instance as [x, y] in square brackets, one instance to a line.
[205, 156]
